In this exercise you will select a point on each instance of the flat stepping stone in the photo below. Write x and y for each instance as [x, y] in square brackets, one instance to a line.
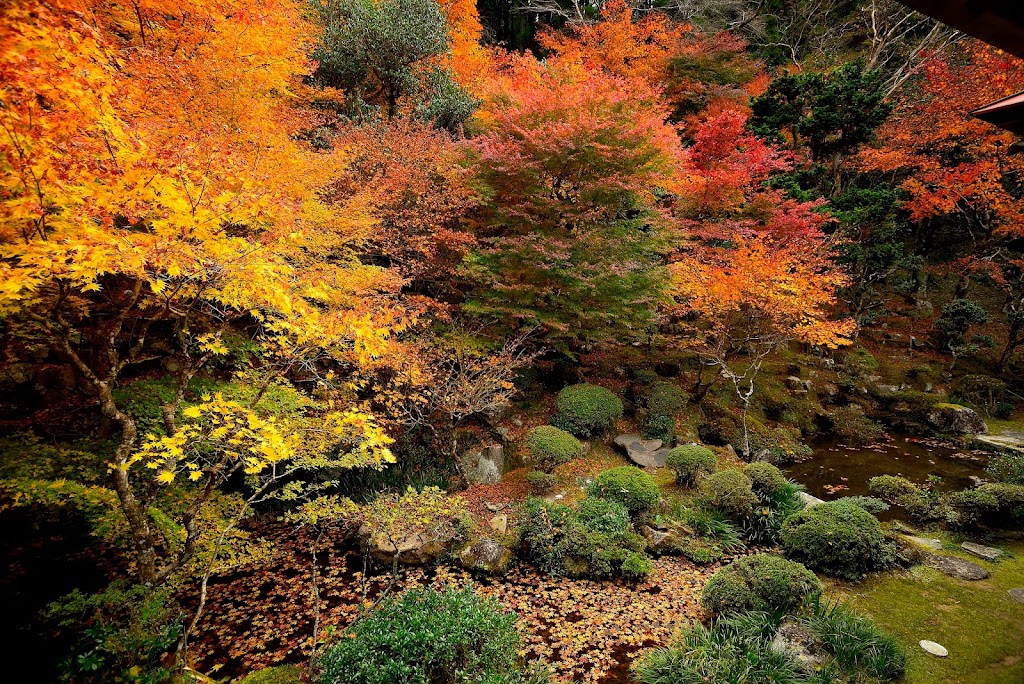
[934, 648]
[646, 453]
[1016, 594]
[957, 567]
[989, 553]
[933, 544]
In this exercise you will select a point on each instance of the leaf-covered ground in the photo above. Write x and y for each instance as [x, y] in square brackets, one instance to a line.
[589, 631]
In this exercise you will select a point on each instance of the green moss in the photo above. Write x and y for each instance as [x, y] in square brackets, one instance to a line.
[977, 621]
[281, 674]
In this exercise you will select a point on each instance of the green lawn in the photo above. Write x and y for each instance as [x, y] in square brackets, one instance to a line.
[978, 622]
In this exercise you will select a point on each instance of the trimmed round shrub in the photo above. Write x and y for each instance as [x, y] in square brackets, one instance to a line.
[690, 461]
[630, 486]
[837, 538]
[604, 515]
[444, 637]
[550, 446]
[636, 566]
[586, 409]
[765, 479]
[891, 488]
[729, 491]
[761, 582]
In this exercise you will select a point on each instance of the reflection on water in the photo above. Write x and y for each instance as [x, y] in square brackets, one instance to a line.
[837, 469]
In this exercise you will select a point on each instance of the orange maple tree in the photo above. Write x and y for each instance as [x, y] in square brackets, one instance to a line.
[153, 187]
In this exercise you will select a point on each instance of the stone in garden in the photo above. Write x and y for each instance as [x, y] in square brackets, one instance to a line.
[933, 544]
[656, 539]
[486, 465]
[809, 499]
[934, 648]
[801, 644]
[1016, 594]
[797, 385]
[416, 548]
[952, 419]
[989, 553]
[957, 567]
[485, 555]
[643, 452]
[499, 523]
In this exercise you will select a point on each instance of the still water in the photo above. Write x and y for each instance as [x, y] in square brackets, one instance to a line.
[837, 469]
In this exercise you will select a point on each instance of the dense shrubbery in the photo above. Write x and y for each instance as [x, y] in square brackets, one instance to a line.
[118, 631]
[689, 462]
[730, 492]
[630, 486]
[549, 446]
[997, 504]
[663, 401]
[444, 637]
[593, 540]
[734, 650]
[738, 650]
[585, 409]
[837, 538]
[778, 497]
[1008, 468]
[704, 536]
[761, 582]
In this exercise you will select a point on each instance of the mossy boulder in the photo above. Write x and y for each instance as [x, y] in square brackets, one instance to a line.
[953, 419]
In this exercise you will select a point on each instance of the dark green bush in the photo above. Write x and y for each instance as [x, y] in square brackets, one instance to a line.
[115, 632]
[662, 402]
[665, 399]
[586, 409]
[764, 525]
[442, 637]
[891, 488]
[689, 462]
[970, 507]
[630, 486]
[636, 566]
[837, 538]
[603, 515]
[593, 540]
[729, 491]
[1008, 468]
[540, 482]
[550, 446]
[660, 427]
[761, 582]
[919, 503]
[765, 479]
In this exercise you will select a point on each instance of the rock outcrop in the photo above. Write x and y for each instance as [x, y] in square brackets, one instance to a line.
[952, 419]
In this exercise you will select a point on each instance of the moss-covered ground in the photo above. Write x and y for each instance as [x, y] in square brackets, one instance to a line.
[978, 622]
